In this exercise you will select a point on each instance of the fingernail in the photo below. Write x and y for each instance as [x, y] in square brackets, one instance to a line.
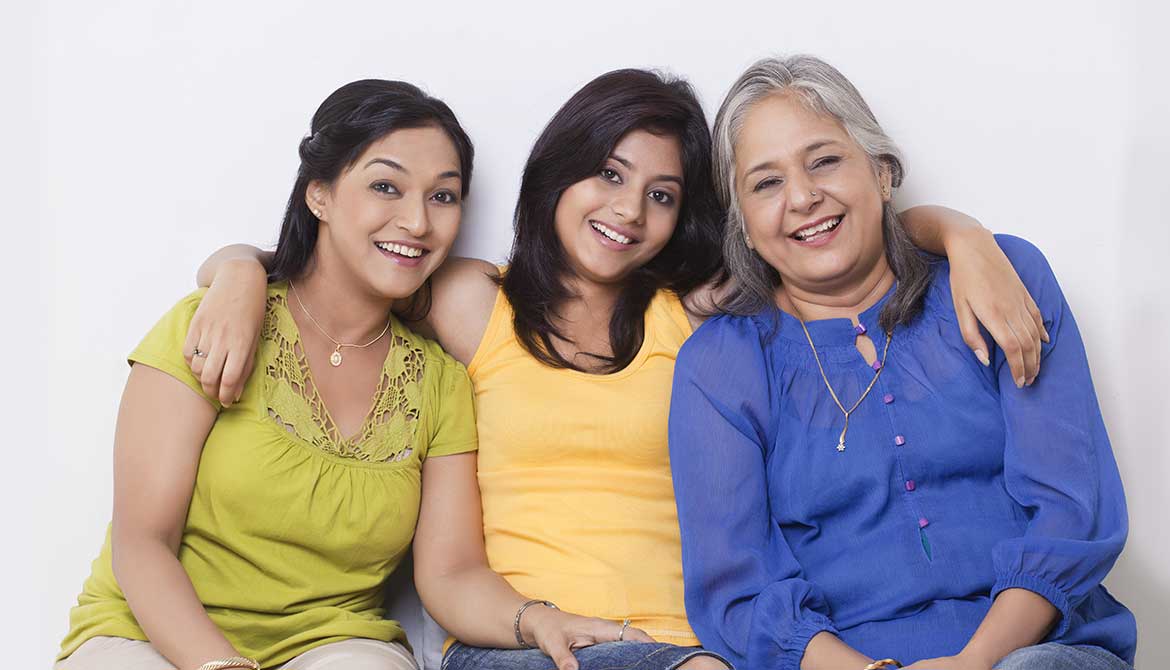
[982, 356]
[1019, 382]
[1046, 338]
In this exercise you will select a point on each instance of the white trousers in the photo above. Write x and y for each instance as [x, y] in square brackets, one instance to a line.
[116, 653]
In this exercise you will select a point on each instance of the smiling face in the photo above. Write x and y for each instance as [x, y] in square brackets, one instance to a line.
[390, 219]
[810, 196]
[616, 221]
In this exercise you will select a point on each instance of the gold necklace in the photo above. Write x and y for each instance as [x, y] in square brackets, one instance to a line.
[335, 357]
[846, 412]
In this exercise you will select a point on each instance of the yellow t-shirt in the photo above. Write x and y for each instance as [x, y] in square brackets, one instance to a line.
[292, 530]
[574, 473]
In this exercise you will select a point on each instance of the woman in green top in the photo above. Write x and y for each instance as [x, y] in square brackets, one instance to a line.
[258, 533]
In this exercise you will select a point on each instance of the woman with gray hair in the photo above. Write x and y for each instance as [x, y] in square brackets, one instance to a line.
[852, 485]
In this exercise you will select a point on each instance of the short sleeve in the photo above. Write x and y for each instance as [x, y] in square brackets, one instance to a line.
[162, 348]
[452, 407]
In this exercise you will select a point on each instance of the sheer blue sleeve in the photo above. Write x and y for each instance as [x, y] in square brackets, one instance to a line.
[1058, 464]
[745, 595]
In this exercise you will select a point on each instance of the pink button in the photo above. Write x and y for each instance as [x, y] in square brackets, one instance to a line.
[899, 440]
[888, 398]
[877, 365]
[910, 486]
[923, 523]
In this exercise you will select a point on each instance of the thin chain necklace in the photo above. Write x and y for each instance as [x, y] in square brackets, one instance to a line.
[335, 357]
[876, 374]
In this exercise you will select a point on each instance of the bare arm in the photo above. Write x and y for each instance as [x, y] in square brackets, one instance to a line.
[1018, 618]
[826, 651]
[467, 597]
[232, 252]
[162, 425]
[226, 326]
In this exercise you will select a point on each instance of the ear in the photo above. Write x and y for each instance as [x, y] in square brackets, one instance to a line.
[886, 181]
[317, 198]
[747, 238]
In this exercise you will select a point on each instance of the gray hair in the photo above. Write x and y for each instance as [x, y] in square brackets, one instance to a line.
[825, 91]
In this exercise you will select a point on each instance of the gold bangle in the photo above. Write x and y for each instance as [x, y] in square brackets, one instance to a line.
[884, 663]
[230, 663]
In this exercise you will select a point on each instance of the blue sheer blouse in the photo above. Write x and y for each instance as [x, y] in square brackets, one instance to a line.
[954, 484]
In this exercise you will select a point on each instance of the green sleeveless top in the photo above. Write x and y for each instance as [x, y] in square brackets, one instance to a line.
[293, 528]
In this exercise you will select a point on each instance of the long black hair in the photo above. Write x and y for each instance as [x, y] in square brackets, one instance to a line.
[351, 119]
[575, 145]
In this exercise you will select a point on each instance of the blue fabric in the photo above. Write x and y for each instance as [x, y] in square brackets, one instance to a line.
[606, 656]
[783, 536]
[1053, 656]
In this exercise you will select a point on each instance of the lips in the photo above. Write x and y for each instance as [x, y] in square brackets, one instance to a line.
[612, 233]
[402, 249]
[817, 229]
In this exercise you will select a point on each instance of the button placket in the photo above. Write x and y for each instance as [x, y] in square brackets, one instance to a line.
[900, 442]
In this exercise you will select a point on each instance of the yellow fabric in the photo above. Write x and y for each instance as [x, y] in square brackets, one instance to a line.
[574, 472]
[288, 543]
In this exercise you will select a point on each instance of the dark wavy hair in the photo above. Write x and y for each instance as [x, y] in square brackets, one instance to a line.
[574, 146]
[351, 119]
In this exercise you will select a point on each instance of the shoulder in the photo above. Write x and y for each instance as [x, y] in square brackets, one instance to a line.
[466, 276]
[441, 371]
[464, 295]
[171, 328]
[1026, 258]
[727, 342]
[1029, 262]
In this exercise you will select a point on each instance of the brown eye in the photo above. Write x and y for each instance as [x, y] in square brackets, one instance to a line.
[662, 197]
[766, 183]
[609, 174]
[445, 198]
[384, 187]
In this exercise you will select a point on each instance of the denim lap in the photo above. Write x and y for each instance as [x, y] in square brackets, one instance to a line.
[606, 656]
[1054, 656]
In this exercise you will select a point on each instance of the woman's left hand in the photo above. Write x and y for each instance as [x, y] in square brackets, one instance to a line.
[987, 290]
[959, 662]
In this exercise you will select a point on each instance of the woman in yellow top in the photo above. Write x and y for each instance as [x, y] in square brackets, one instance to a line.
[257, 530]
[571, 352]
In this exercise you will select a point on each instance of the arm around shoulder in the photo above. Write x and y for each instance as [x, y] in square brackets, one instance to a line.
[464, 293]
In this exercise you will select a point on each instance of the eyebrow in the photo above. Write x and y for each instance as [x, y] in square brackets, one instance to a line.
[662, 177]
[388, 163]
[449, 174]
[769, 165]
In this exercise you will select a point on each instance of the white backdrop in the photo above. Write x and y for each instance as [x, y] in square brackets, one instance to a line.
[140, 136]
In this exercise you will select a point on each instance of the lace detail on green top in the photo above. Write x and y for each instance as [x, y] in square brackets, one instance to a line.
[388, 432]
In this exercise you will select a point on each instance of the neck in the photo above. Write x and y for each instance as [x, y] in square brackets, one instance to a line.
[346, 311]
[813, 303]
[590, 300]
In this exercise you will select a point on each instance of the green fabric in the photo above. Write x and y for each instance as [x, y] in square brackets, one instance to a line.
[289, 538]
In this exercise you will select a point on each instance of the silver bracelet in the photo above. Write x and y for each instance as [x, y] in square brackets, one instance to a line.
[516, 624]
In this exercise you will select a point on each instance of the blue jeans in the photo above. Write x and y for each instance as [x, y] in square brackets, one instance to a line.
[1053, 656]
[605, 656]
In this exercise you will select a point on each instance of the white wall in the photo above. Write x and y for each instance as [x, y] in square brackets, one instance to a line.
[145, 135]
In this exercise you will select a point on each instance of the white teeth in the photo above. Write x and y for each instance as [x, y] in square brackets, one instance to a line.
[611, 234]
[816, 230]
[400, 249]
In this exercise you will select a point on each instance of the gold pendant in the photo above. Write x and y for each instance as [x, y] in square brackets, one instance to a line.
[841, 445]
[335, 358]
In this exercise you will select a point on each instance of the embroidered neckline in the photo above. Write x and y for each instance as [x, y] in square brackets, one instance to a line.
[294, 404]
